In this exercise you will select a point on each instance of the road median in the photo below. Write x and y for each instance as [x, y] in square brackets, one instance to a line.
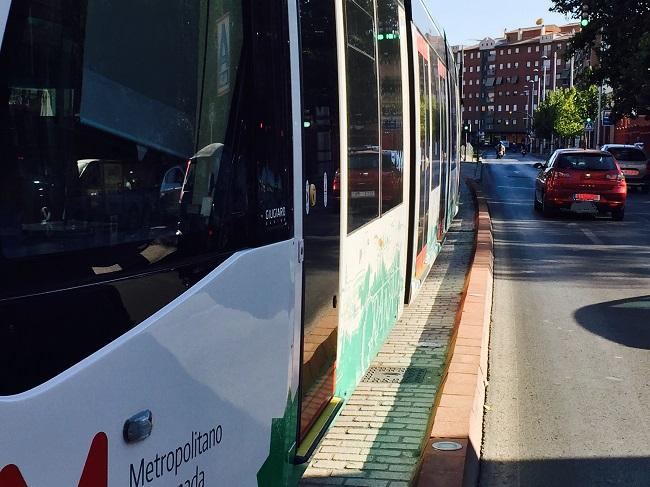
[458, 414]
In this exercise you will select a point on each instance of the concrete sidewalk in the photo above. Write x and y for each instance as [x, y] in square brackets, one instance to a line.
[378, 438]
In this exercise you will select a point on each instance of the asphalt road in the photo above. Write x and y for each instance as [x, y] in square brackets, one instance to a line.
[569, 387]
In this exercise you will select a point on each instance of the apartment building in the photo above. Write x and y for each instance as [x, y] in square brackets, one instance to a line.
[504, 79]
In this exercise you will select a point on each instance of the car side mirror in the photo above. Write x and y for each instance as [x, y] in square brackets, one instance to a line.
[538, 165]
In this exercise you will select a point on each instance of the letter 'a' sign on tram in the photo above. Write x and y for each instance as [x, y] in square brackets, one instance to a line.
[223, 55]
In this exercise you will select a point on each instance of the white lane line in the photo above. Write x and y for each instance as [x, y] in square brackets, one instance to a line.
[592, 236]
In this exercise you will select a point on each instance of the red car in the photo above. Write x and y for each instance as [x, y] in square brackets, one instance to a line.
[582, 181]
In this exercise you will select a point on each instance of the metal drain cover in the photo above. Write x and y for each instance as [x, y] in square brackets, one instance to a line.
[398, 375]
[447, 445]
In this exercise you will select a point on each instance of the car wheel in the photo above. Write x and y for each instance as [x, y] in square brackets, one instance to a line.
[618, 215]
[547, 210]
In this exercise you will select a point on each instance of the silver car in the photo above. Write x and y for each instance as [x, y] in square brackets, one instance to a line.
[634, 164]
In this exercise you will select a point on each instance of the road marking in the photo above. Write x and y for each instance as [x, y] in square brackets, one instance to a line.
[592, 236]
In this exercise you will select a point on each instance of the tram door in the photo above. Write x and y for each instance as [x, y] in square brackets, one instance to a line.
[321, 211]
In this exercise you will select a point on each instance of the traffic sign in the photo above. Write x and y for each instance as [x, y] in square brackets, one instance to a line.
[589, 127]
[607, 118]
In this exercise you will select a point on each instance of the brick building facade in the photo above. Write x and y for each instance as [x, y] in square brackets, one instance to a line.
[503, 79]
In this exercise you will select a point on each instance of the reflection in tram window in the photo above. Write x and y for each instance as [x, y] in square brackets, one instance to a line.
[363, 116]
[102, 105]
[392, 112]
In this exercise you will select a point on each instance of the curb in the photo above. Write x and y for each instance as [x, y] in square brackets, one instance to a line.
[458, 412]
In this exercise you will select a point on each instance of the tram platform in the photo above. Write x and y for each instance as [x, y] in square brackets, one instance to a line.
[381, 432]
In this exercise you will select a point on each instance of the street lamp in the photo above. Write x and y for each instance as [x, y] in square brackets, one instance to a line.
[539, 89]
[544, 59]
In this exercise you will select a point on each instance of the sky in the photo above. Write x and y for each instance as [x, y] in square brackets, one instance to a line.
[467, 21]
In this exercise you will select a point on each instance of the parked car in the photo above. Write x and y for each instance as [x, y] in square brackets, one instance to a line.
[581, 181]
[634, 164]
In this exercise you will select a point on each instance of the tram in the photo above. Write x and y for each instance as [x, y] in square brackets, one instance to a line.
[212, 213]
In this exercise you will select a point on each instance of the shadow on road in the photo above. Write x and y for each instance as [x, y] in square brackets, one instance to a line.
[573, 472]
[625, 321]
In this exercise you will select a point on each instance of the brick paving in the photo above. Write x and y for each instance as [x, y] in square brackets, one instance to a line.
[376, 441]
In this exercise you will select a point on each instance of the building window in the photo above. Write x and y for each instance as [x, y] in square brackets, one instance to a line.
[507, 108]
[471, 82]
[516, 65]
[478, 55]
[464, 70]
[528, 64]
[490, 108]
[499, 108]
[536, 77]
[516, 50]
[471, 55]
[536, 48]
[502, 52]
[530, 49]
[470, 109]
[536, 63]
[509, 65]
[500, 66]
[509, 51]
[527, 77]
[478, 68]
[477, 108]
[483, 108]
[471, 69]
[514, 121]
[507, 122]
[514, 108]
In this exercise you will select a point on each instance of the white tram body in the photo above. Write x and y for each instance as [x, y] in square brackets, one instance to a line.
[212, 213]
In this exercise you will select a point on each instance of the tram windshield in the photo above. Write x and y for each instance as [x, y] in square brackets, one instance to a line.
[100, 111]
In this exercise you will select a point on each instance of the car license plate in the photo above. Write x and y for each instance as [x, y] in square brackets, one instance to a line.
[363, 194]
[630, 172]
[584, 207]
[586, 197]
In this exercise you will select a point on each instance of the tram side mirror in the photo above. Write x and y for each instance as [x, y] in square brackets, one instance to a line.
[538, 165]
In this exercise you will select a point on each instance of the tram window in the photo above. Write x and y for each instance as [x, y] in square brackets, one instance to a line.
[390, 82]
[425, 154]
[363, 115]
[437, 104]
[102, 105]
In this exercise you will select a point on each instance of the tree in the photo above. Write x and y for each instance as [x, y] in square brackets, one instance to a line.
[619, 34]
[564, 112]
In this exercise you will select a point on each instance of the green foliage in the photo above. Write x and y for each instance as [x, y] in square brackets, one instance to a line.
[564, 111]
[619, 34]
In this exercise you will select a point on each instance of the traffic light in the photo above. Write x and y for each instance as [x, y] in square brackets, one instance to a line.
[467, 127]
[584, 15]
[588, 120]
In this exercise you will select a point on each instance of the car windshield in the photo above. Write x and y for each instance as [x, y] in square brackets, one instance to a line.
[627, 154]
[586, 162]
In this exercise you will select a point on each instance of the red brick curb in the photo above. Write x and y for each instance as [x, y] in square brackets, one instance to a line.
[458, 412]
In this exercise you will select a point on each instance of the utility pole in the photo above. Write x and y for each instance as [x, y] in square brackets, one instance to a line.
[599, 120]
[554, 70]
[571, 72]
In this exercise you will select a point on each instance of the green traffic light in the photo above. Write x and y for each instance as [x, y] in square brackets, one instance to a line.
[584, 22]
[380, 37]
[588, 120]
